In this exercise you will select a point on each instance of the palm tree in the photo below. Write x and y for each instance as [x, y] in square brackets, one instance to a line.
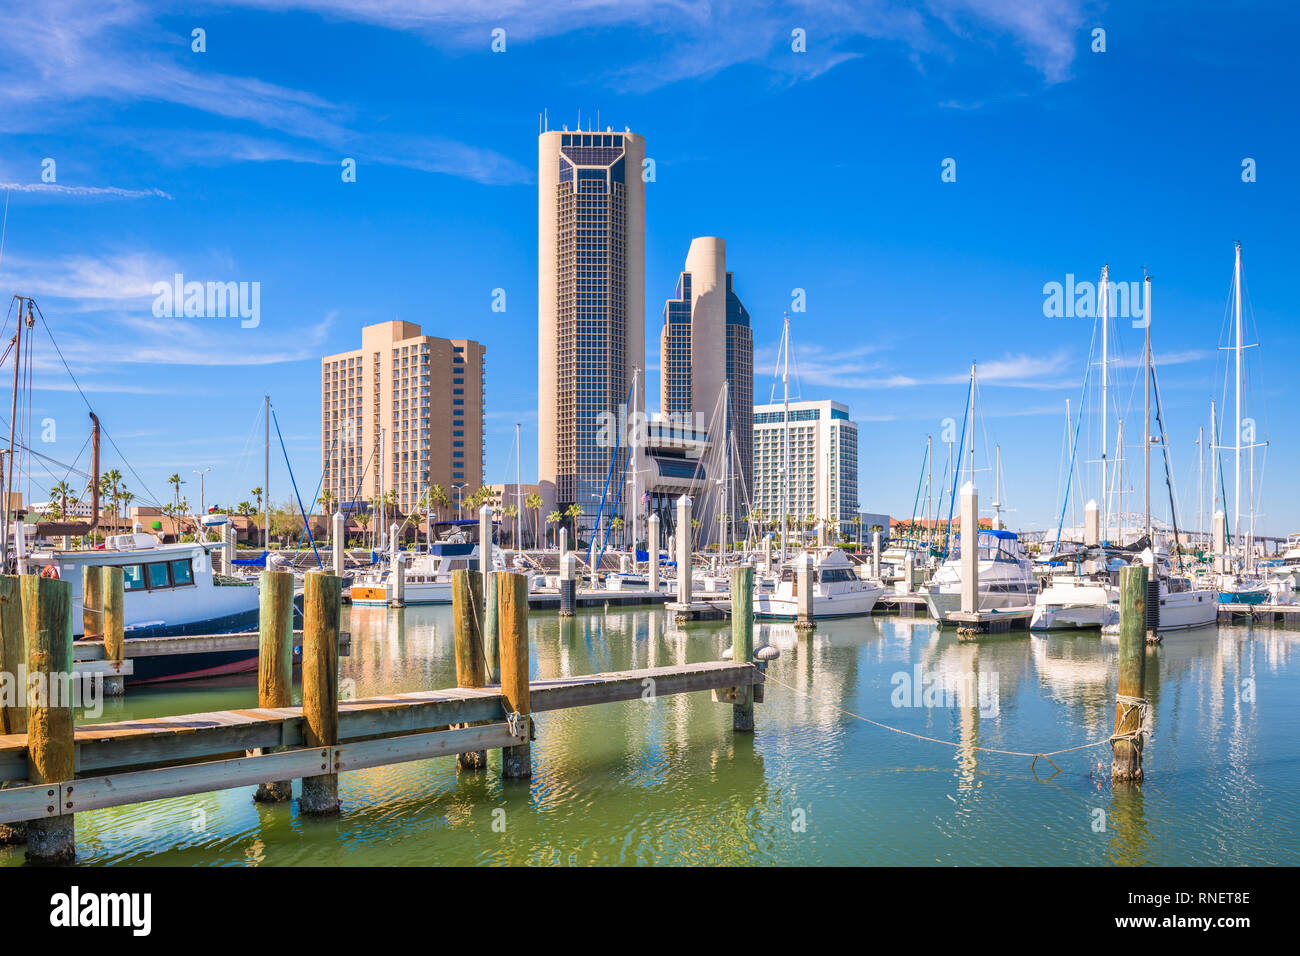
[257, 493]
[326, 501]
[175, 481]
[572, 513]
[437, 501]
[511, 512]
[61, 492]
[126, 498]
[617, 525]
[554, 518]
[244, 508]
[534, 504]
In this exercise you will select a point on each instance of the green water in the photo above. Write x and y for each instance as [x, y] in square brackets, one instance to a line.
[667, 782]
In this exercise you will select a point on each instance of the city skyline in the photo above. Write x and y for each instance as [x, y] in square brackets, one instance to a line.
[905, 278]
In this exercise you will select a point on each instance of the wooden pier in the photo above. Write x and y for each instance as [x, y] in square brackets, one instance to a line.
[56, 770]
[905, 605]
[974, 623]
[599, 598]
[1259, 613]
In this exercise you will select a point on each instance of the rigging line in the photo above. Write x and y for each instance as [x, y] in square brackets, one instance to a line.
[285, 451]
[1073, 454]
[952, 498]
[4, 228]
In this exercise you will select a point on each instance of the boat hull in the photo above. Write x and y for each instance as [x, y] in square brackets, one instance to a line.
[853, 604]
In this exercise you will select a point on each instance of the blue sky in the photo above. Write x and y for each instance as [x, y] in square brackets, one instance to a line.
[821, 169]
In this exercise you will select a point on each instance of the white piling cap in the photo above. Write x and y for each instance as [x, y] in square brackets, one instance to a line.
[969, 488]
[1091, 505]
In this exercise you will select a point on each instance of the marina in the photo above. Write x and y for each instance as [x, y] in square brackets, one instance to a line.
[870, 795]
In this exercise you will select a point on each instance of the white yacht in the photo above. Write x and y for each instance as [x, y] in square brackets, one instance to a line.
[837, 589]
[1006, 577]
[1076, 600]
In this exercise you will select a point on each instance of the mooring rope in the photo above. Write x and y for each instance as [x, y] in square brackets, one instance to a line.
[1131, 704]
[1048, 755]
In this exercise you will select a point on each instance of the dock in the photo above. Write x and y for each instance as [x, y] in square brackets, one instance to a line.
[974, 623]
[55, 770]
[1259, 613]
[550, 601]
[905, 605]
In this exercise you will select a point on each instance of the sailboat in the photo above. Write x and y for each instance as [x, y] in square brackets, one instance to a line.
[1006, 578]
[1237, 580]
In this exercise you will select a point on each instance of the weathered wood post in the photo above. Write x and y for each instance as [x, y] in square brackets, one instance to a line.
[742, 643]
[92, 601]
[13, 654]
[112, 584]
[491, 642]
[652, 550]
[682, 535]
[1130, 701]
[322, 603]
[516, 761]
[467, 615]
[47, 623]
[804, 577]
[13, 670]
[275, 660]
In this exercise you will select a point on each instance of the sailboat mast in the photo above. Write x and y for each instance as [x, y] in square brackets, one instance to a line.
[1236, 294]
[785, 433]
[13, 418]
[1105, 392]
[1146, 411]
[929, 478]
[519, 497]
[971, 431]
[266, 474]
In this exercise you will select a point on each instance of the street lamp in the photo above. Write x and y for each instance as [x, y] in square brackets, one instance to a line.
[458, 488]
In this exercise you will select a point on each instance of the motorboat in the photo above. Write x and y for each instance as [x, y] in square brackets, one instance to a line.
[837, 589]
[1006, 577]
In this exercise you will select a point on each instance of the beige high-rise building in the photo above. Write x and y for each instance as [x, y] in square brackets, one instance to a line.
[420, 397]
[590, 307]
[705, 347]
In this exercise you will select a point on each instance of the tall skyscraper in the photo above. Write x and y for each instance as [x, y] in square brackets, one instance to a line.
[420, 397]
[823, 450]
[706, 344]
[590, 308]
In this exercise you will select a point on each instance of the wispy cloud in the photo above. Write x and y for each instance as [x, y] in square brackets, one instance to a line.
[60, 56]
[110, 192]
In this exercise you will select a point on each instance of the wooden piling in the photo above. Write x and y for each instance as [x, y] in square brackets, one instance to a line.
[491, 639]
[467, 613]
[512, 624]
[92, 601]
[275, 661]
[47, 623]
[113, 594]
[321, 606]
[13, 654]
[1130, 702]
[742, 643]
[13, 667]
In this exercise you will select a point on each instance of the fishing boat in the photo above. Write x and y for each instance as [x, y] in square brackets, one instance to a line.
[1006, 577]
[837, 589]
[170, 590]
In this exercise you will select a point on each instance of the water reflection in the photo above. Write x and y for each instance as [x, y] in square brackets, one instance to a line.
[666, 781]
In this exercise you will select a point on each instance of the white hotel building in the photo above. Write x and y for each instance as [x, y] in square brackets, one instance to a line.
[823, 461]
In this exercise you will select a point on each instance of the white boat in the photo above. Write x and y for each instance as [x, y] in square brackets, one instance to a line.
[426, 577]
[837, 589]
[169, 590]
[1076, 600]
[1006, 577]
